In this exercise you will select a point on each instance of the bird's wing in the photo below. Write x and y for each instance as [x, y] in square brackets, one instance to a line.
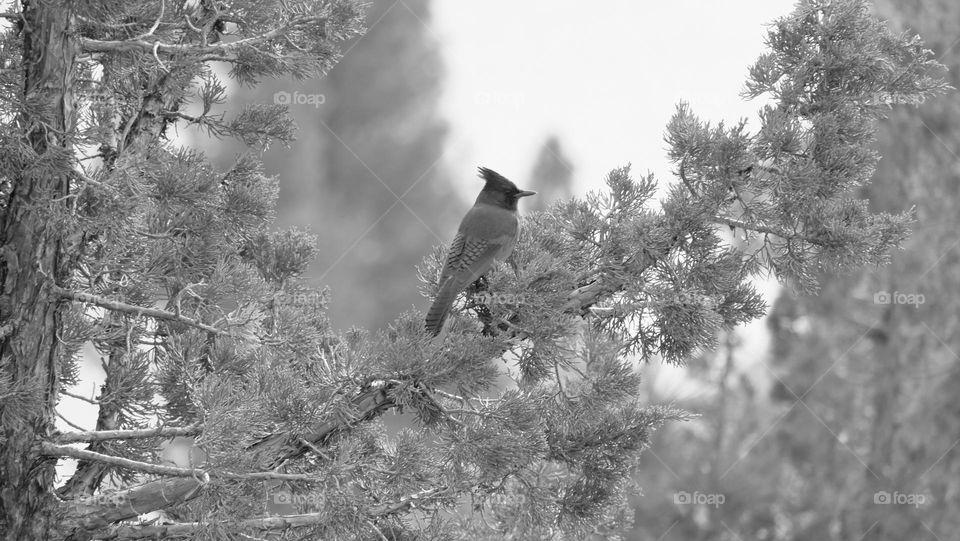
[468, 258]
[453, 254]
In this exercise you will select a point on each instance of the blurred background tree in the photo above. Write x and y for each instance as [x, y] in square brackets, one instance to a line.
[552, 175]
[366, 173]
[857, 402]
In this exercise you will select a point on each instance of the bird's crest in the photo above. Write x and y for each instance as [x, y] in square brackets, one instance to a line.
[497, 181]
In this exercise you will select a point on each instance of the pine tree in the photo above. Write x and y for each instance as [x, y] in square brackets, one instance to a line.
[552, 175]
[115, 237]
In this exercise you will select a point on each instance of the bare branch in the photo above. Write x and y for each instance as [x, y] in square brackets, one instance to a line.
[683, 177]
[103, 435]
[280, 522]
[69, 422]
[100, 511]
[132, 309]
[52, 449]
[79, 397]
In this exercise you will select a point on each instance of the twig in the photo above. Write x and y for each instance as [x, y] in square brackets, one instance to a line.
[556, 371]
[426, 392]
[315, 449]
[86, 180]
[190, 25]
[79, 397]
[683, 177]
[163, 66]
[156, 24]
[156, 236]
[374, 526]
[64, 419]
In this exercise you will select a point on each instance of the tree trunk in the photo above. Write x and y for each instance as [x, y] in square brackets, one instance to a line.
[31, 260]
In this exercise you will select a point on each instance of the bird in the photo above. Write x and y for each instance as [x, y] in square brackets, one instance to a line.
[487, 233]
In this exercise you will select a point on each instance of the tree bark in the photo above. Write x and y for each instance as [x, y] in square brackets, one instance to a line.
[32, 259]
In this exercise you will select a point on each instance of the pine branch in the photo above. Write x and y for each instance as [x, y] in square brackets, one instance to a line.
[89, 45]
[52, 449]
[274, 523]
[117, 306]
[276, 449]
[103, 435]
[96, 512]
[586, 296]
[100, 511]
[765, 230]
[598, 287]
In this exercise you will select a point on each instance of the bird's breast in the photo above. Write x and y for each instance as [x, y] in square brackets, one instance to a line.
[490, 223]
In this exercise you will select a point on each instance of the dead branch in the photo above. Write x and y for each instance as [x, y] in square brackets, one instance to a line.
[103, 435]
[117, 306]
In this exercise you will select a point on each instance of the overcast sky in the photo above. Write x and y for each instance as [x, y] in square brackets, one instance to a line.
[604, 76]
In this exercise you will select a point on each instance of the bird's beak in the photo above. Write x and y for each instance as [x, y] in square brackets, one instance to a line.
[525, 193]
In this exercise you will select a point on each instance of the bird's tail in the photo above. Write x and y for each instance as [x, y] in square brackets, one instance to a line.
[441, 305]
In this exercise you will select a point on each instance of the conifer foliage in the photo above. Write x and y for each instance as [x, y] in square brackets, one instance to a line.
[113, 236]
